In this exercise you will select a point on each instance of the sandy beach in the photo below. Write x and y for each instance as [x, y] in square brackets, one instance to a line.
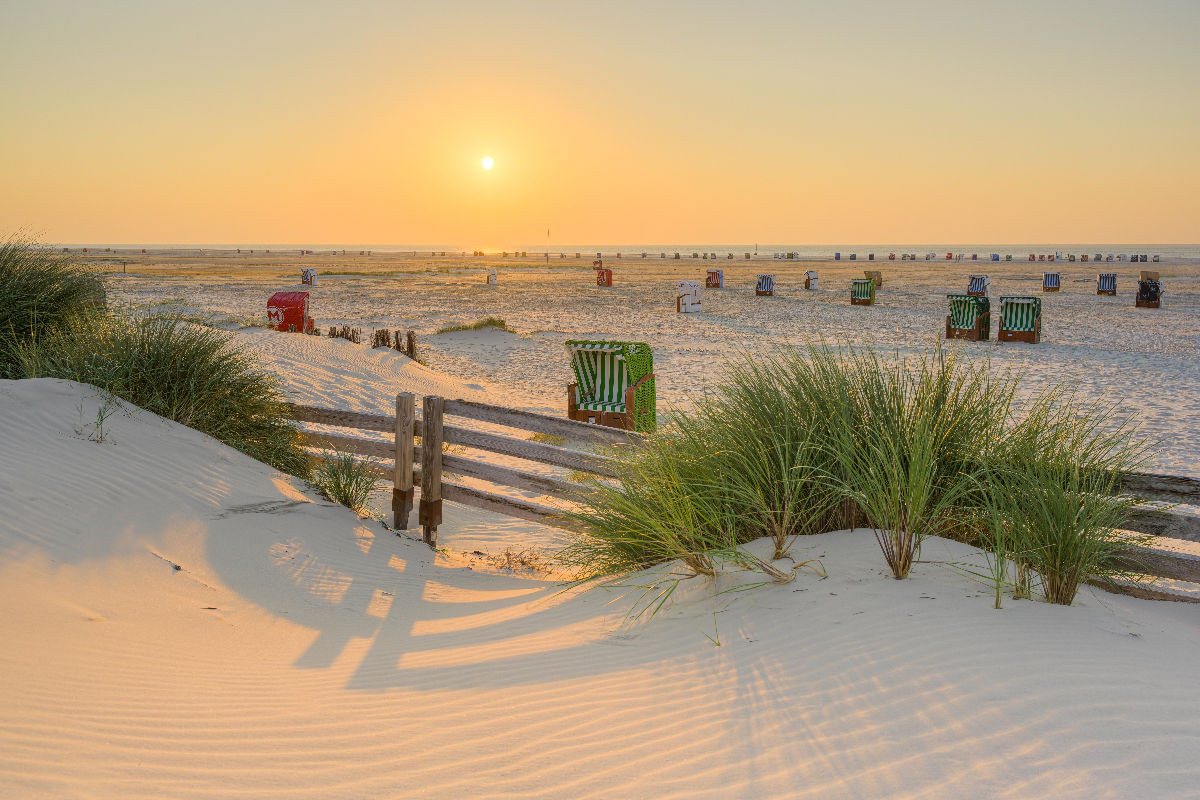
[185, 622]
[1145, 360]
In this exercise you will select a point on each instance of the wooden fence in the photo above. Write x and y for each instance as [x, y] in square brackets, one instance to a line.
[426, 465]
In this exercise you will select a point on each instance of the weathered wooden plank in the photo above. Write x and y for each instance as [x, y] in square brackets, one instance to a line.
[1165, 558]
[1166, 523]
[430, 512]
[521, 509]
[532, 451]
[1171, 488]
[363, 447]
[342, 419]
[469, 467]
[540, 423]
[402, 468]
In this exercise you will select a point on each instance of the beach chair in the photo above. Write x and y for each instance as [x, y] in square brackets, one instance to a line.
[810, 280]
[1020, 319]
[870, 256]
[837, 256]
[687, 297]
[1083, 257]
[1142, 258]
[874, 275]
[1071, 257]
[862, 292]
[1106, 283]
[492, 277]
[949, 256]
[1032, 257]
[614, 385]
[891, 256]
[970, 317]
[715, 279]
[1008, 256]
[853, 256]
[1156, 259]
[765, 286]
[288, 311]
[1150, 292]
[1051, 281]
[308, 276]
[979, 286]
[604, 277]
[995, 256]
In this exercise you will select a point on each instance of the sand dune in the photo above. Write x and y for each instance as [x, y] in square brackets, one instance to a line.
[181, 621]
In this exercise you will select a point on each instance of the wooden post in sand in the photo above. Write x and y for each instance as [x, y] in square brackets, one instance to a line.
[402, 481]
[411, 340]
[430, 513]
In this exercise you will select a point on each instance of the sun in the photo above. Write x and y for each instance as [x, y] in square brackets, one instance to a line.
[487, 162]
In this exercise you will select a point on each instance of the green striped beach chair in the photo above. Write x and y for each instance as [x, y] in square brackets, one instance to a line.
[862, 292]
[1020, 319]
[614, 385]
[970, 317]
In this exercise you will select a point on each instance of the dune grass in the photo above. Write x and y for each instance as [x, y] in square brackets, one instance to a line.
[41, 292]
[487, 322]
[813, 440]
[345, 479]
[187, 373]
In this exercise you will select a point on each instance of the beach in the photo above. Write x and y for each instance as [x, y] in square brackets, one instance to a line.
[1102, 347]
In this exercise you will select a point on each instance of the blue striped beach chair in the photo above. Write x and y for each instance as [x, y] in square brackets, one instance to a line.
[970, 317]
[862, 292]
[614, 385]
[979, 285]
[765, 286]
[1106, 283]
[1020, 319]
[1051, 281]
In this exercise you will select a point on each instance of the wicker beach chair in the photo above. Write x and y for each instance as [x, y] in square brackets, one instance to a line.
[765, 286]
[862, 292]
[979, 286]
[874, 275]
[810, 280]
[614, 384]
[715, 279]
[604, 277]
[1020, 319]
[687, 297]
[493, 277]
[970, 317]
[1150, 292]
[308, 276]
[1051, 281]
[1106, 283]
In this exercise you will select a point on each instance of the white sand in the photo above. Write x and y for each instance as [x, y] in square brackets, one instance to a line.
[298, 651]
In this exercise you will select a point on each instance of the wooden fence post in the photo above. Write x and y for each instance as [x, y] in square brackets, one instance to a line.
[411, 338]
[430, 513]
[402, 491]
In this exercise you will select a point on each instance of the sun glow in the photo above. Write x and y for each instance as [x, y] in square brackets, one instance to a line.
[487, 162]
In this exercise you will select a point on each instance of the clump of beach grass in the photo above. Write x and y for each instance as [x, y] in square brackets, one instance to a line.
[347, 480]
[188, 373]
[487, 322]
[804, 441]
[41, 293]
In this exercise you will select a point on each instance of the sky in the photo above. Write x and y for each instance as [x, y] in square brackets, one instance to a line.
[649, 122]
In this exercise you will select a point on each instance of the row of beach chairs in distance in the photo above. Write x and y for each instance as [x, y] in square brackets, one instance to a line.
[1133, 257]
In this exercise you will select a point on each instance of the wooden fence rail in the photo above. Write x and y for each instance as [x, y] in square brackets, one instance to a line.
[426, 465]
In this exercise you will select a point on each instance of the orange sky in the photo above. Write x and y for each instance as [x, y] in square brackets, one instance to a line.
[608, 122]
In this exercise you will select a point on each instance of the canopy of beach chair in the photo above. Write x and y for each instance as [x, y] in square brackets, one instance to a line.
[965, 309]
[1020, 312]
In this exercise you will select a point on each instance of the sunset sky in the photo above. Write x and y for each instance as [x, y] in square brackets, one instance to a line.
[806, 123]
